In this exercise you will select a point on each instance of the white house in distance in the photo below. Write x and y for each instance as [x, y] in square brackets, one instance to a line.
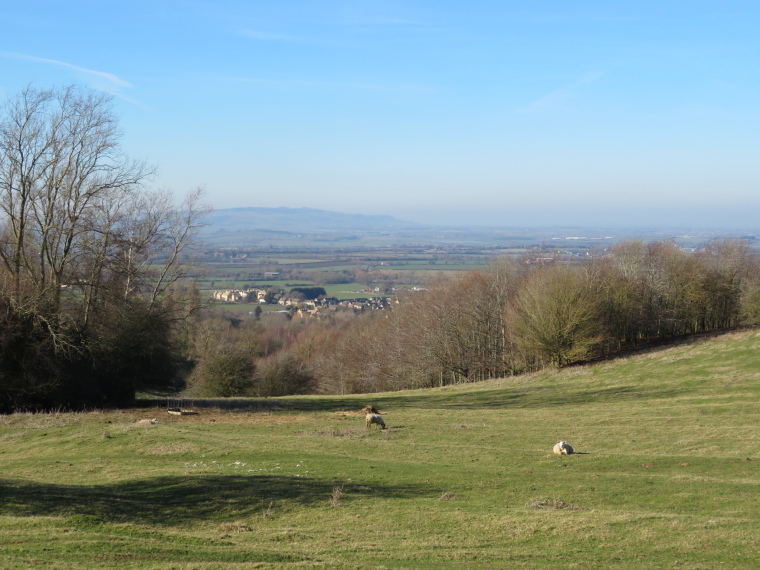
[228, 296]
[237, 296]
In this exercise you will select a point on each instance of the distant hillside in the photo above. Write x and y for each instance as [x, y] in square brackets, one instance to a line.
[298, 220]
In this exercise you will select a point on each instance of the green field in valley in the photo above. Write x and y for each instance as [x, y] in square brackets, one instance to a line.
[667, 475]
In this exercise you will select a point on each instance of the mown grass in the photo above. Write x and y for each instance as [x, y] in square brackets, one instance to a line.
[668, 475]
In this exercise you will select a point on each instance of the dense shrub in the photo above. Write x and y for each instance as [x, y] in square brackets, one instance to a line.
[307, 293]
[30, 372]
[226, 374]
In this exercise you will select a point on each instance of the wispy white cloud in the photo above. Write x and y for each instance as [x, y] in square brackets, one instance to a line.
[98, 80]
[110, 78]
[557, 97]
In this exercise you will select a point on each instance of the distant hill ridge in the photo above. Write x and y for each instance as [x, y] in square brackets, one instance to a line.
[301, 220]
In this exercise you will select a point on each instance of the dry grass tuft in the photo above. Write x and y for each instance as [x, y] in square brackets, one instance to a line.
[447, 496]
[336, 495]
[41, 420]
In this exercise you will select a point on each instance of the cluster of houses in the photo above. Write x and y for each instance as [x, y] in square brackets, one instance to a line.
[235, 296]
[319, 307]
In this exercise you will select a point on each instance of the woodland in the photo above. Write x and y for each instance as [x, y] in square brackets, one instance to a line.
[517, 316]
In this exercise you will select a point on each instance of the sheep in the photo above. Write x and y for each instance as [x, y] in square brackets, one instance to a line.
[563, 448]
[373, 416]
[375, 419]
[147, 422]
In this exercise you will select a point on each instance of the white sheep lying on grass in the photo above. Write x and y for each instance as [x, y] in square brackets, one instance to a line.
[563, 448]
[373, 416]
[146, 422]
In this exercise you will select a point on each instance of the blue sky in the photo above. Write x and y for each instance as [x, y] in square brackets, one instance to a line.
[642, 113]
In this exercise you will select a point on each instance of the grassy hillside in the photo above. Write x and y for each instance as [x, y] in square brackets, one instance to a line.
[668, 475]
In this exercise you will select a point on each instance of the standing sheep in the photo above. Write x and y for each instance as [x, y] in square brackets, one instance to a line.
[563, 448]
[373, 416]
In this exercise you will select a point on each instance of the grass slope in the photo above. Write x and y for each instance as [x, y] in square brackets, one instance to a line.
[668, 475]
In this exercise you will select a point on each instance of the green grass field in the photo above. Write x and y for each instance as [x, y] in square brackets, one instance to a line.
[667, 475]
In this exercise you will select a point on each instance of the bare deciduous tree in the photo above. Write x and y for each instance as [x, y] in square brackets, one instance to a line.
[78, 228]
[60, 163]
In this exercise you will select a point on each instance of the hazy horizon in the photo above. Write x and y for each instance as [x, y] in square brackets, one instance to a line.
[706, 221]
[584, 114]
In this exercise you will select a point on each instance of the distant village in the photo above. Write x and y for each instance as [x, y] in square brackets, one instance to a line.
[298, 307]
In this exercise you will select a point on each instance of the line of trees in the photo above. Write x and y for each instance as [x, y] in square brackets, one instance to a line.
[91, 300]
[517, 316]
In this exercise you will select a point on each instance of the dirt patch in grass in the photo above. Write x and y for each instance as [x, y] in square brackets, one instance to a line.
[358, 414]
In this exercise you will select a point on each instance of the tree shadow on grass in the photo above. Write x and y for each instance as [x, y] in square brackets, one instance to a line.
[545, 396]
[179, 500]
[513, 397]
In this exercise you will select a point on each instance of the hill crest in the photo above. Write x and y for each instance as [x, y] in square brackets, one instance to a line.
[296, 220]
